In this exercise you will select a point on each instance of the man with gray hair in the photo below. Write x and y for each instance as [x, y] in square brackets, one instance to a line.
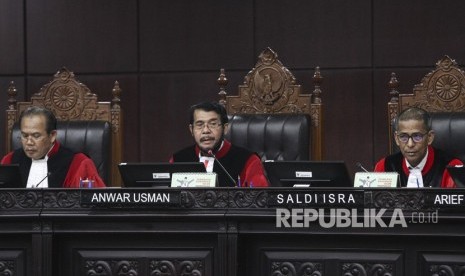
[418, 163]
[43, 161]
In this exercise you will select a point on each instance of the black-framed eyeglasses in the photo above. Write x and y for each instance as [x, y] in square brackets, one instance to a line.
[417, 137]
[210, 125]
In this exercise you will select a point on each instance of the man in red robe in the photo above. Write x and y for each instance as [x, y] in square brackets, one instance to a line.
[418, 163]
[208, 125]
[43, 162]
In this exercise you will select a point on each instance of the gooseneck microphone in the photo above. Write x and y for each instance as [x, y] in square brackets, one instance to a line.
[210, 152]
[42, 180]
[359, 165]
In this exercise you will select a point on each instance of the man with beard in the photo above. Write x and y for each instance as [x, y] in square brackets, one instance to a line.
[43, 161]
[208, 125]
[418, 163]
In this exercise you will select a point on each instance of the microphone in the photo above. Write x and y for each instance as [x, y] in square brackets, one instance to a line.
[359, 165]
[37, 185]
[210, 152]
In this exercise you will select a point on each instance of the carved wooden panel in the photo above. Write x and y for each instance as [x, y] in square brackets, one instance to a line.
[134, 262]
[338, 262]
[12, 262]
[134, 267]
[296, 268]
[442, 90]
[270, 88]
[445, 263]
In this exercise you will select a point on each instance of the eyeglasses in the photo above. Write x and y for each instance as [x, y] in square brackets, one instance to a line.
[416, 137]
[211, 125]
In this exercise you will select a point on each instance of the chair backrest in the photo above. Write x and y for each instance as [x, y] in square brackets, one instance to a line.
[442, 93]
[272, 136]
[84, 124]
[271, 116]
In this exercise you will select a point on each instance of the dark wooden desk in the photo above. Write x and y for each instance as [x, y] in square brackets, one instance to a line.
[232, 232]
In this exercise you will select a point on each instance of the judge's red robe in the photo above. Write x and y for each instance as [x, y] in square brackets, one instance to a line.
[238, 161]
[66, 168]
[434, 172]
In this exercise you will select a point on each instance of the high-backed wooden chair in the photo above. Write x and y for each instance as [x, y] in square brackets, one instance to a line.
[271, 116]
[84, 124]
[442, 93]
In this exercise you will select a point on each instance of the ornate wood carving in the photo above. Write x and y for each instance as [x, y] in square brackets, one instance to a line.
[113, 267]
[249, 199]
[393, 107]
[166, 267]
[62, 199]
[10, 114]
[7, 268]
[355, 269]
[394, 92]
[222, 82]
[177, 267]
[225, 198]
[271, 88]
[20, 200]
[204, 199]
[297, 268]
[446, 270]
[116, 109]
[442, 90]
[407, 201]
[69, 99]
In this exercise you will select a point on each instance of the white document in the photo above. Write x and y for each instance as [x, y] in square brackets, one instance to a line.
[376, 179]
[193, 180]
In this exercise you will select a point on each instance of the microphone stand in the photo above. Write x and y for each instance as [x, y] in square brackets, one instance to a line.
[210, 152]
[37, 185]
[358, 164]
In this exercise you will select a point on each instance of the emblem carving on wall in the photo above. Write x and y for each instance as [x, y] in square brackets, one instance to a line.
[269, 88]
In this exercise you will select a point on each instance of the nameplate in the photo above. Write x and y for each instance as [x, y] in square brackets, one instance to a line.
[131, 198]
[352, 199]
[376, 179]
[193, 180]
[446, 198]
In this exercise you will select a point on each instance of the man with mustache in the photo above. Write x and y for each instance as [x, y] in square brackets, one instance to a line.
[43, 161]
[208, 125]
[418, 163]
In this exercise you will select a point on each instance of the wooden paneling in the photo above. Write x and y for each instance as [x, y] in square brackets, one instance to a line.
[229, 232]
[348, 116]
[88, 36]
[144, 254]
[417, 33]
[310, 33]
[332, 261]
[200, 35]
[11, 37]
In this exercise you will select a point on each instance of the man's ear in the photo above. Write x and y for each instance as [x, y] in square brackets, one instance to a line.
[53, 136]
[191, 129]
[225, 128]
[430, 137]
[396, 139]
